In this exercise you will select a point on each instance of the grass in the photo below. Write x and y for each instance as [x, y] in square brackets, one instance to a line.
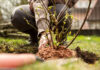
[9, 45]
[87, 43]
[14, 42]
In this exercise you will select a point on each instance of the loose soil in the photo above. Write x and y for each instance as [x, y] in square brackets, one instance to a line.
[50, 53]
[88, 57]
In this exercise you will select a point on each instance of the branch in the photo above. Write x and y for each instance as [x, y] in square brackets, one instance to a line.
[46, 9]
[81, 26]
[62, 11]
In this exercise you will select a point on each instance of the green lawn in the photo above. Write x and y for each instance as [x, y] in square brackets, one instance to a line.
[87, 43]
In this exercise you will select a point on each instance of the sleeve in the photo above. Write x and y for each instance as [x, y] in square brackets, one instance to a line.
[41, 15]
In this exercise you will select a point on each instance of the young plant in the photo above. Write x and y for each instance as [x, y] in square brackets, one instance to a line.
[58, 29]
[59, 34]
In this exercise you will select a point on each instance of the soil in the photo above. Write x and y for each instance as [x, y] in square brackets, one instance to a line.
[50, 53]
[88, 57]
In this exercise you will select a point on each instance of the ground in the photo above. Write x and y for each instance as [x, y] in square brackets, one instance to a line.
[87, 43]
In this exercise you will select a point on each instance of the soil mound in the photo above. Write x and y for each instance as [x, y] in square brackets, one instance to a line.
[50, 53]
[87, 56]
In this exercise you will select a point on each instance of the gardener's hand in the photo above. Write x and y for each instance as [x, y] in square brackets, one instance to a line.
[44, 40]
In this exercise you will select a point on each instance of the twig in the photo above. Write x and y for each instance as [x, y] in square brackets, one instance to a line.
[63, 10]
[51, 44]
[81, 26]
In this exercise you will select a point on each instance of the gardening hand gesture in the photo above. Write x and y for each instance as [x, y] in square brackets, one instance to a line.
[44, 40]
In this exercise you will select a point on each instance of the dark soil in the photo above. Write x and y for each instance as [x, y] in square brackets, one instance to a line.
[50, 53]
[87, 56]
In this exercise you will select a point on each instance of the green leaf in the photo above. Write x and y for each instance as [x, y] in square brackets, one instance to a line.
[50, 7]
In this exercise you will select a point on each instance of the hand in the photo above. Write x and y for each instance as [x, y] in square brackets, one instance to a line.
[44, 40]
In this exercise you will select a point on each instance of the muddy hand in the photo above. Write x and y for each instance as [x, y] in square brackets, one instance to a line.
[44, 40]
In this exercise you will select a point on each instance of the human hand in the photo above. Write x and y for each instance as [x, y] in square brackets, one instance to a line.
[44, 40]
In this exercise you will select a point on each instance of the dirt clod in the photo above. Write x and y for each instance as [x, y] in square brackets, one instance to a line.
[87, 56]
